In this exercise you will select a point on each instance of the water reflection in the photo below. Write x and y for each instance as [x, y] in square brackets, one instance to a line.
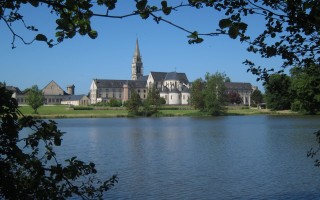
[247, 157]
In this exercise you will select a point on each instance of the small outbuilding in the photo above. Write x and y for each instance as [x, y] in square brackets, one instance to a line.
[76, 100]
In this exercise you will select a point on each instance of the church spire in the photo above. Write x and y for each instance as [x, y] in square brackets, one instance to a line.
[137, 51]
[137, 65]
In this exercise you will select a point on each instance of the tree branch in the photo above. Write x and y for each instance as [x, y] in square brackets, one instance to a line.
[14, 35]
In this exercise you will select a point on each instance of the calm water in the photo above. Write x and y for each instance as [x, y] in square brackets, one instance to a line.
[236, 157]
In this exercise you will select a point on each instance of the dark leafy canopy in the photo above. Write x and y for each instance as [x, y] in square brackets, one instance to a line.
[209, 95]
[197, 94]
[306, 89]
[234, 98]
[278, 93]
[256, 97]
[35, 98]
[215, 94]
[134, 103]
[292, 28]
[29, 165]
[152, 103]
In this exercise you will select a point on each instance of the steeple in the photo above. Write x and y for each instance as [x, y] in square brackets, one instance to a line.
[137, 65]
[137, 51]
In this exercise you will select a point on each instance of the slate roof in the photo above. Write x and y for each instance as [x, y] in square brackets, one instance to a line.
[106, 83]
[74, 97]
[162, 76]
[14, 89]
[238, 86]
[159, 76]
[143, 78]
[185, 89]
[164, 90]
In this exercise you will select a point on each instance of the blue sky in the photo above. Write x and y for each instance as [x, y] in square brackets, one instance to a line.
[163, 48]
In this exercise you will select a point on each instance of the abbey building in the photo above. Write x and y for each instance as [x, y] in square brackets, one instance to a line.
[173, 86]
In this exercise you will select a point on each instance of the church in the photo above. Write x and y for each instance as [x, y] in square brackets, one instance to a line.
[174, 87]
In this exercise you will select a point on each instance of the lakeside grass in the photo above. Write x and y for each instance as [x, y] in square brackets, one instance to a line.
[62, 111]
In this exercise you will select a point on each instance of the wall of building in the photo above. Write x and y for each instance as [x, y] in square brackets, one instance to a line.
[185, 98]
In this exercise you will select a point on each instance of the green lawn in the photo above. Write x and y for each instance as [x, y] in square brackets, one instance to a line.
[61, 111]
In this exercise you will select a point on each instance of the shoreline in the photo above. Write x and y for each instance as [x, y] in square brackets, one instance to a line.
[62, 112]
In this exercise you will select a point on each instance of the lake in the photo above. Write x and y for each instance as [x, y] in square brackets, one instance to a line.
[232, 157]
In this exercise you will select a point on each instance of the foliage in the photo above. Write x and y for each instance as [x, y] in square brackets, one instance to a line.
[114, 103]
[29, 166]
[234, 98]
[215, 94]
[152, 103]
[134, 103]
[35, 98]
[162, 101]
[256, 97]
[227, 79]
[197, 94]
[306, 88]
[82, 108]
[278, 94]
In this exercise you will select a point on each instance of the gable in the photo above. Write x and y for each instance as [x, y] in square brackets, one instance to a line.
[53, 89]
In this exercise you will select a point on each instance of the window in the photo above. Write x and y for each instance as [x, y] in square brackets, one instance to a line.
[184, 97]
[138, 91]
[119, 95]
[144, 96]
[171, 96]
[144, 91]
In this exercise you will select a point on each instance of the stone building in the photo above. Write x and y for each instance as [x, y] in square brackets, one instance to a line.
[76, 100]
[53, 94]
[243, 89]
[173, 86]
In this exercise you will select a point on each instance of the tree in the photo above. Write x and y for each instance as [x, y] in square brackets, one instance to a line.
[30, 173]
[114, 102]
[197, 94]
[306, 88]
[227, 79]
[215, 94]
[134, 103]
[153, 101]
[234, 98]
[256, 97]
[278, 95]
[35, 98]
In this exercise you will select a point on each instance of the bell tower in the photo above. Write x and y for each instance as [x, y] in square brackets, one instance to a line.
[137, 65]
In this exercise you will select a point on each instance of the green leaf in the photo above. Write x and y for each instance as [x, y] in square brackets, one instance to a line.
[233, 32]
[193, 35]
[141, 5]
[144, 15]
[41, 37]
[164, 4]
[224, 23]
[165, 9]
[34, 3]
[242, 26]
[93, 34]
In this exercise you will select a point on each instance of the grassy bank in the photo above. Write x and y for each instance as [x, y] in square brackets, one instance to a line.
[61, 111]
